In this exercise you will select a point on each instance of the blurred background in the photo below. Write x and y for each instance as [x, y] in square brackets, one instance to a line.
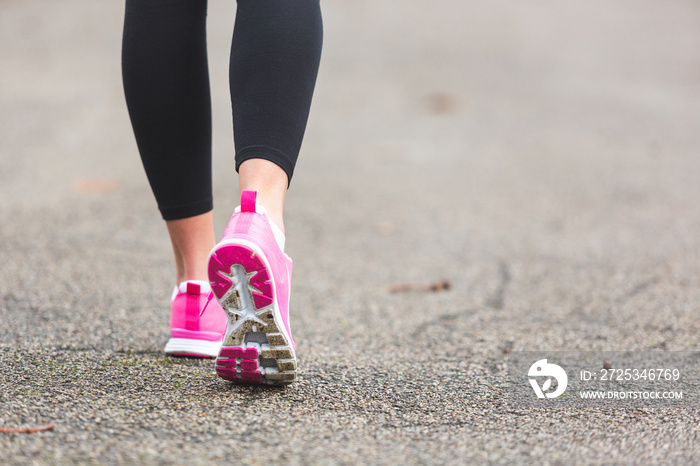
[541, 157]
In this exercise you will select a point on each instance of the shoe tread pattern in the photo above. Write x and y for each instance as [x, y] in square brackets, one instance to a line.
[254, 349]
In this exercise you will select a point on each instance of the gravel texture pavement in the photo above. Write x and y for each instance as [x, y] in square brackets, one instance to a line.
[543, 157]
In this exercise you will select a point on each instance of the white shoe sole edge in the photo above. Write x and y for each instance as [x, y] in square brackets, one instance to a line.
[188, 347]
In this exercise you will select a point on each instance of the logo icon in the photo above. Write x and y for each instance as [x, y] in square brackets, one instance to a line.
[542, 369]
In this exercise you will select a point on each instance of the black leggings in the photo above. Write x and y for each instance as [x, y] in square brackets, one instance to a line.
[274, 62]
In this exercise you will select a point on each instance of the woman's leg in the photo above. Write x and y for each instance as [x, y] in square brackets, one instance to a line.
[166, 83]
[274, 61]
[270, 182]
[275, 55]
[192, 239]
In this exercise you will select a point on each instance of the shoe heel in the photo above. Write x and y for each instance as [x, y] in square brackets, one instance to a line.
[255, 349]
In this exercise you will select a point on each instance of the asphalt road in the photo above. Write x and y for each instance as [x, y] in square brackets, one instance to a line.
[540, 156]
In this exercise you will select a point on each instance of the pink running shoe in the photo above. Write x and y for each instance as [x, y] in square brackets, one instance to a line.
[250, 275]
[197, 322]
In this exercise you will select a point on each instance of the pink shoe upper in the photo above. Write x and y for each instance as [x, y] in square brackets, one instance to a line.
[195, 314]
[255, 227]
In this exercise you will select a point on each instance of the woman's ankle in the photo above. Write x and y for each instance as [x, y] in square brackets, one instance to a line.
[270, 182]
[192, 239]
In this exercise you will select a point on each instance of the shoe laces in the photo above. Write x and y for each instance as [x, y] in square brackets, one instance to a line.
[211, 296]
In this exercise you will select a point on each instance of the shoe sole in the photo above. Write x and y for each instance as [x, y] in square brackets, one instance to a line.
[256, 347]
[192, 348]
